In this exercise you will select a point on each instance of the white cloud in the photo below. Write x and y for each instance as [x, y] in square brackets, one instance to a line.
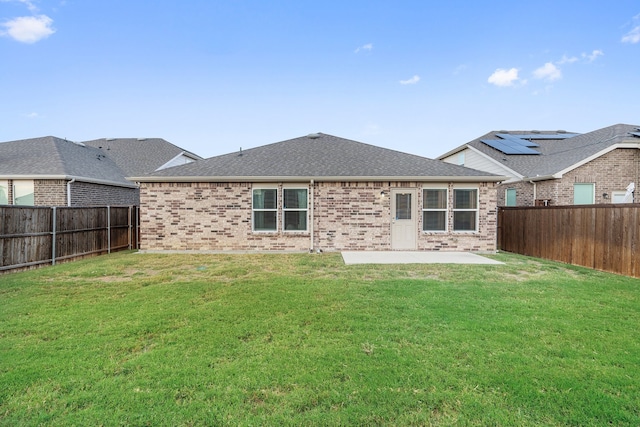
[568, 59]
[32, 7]
[413, 80]
[632, 36]
[33, 115]
[28, 29]
[548, 72]
[593, 55]
[365, 48]
[503, 77]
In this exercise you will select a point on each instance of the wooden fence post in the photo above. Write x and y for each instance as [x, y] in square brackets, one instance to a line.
[53, 236]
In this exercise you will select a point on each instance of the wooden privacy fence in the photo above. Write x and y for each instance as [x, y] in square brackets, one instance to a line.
[602, 237]
[31, 236]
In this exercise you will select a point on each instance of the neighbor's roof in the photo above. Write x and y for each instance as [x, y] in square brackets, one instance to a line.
[54, 158]
[139, 156]
[317, 156]
[556, 155]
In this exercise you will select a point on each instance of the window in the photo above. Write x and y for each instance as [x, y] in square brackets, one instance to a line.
[265, 209]
[23, 193]
[4, 192]
[510, 197]
[461, 158]
[294, 209]
[403, 205]
[619, 197]
[434, 209]
[465, 209]
[583, 194]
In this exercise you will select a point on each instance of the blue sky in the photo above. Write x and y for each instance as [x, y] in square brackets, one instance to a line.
[417, 76]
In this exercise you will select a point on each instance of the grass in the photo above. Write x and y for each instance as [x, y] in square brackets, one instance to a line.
[141, 339]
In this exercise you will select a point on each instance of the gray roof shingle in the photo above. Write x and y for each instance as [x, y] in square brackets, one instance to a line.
[316, 156]
[54, 157]
[557, 155]
[139, 156]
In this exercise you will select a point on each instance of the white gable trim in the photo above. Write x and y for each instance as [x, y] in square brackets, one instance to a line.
[169, 163]
[558, 175]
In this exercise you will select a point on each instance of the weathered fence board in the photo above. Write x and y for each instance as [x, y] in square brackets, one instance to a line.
[602, 237]
[31, 236]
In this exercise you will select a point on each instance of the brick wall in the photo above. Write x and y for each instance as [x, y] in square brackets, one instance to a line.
[611, 172]
[346, 216]
[89, 194]
[50, 192]
[524, 193]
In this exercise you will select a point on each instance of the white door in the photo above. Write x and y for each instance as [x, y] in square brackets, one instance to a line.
[404, 227]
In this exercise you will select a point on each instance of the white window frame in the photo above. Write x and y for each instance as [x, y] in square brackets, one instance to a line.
[455, 210]
[445, 210]
[285, 209]
[15, 193]
[254, 210]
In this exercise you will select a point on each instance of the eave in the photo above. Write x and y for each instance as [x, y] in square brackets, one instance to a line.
[491, 178]
[69, 178]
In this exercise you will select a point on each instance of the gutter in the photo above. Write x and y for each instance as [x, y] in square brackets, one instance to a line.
[71, 177]
[490, 178]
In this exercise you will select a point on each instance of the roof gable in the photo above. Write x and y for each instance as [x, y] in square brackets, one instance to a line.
[315, 156]
[555, 155]
[139, 156]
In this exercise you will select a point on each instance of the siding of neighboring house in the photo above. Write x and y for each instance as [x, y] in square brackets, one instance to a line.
[53, 192]
[610, 172]
[90, 194]
[346, 216]
[50, 192]
[474, 160]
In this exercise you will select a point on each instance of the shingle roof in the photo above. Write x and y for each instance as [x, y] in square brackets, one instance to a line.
[139, 156]
[316, 156]
[53, 157]
[556, 155]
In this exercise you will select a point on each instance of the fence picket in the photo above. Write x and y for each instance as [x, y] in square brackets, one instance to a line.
[602, 237]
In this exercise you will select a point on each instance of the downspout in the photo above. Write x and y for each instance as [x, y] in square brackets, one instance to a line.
[69, 191]
[535, 192]
[311, 215]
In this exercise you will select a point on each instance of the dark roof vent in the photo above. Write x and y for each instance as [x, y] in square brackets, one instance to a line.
[313, 136]
[535, 131]
[562, 131]
[142, 139]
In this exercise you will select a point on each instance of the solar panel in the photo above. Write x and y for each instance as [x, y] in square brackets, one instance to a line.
[517, 140]
[508, 147]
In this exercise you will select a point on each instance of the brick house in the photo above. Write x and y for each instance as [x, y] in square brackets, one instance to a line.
[318, 192]
[51, 171]
[556, 167]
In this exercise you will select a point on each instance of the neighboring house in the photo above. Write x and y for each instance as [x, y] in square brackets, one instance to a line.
[50, 171]
[556, 167]
[318, 192]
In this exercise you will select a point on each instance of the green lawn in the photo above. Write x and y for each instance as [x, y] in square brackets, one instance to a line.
[140, 339]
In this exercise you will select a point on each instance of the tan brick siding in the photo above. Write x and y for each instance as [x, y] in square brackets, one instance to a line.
[53, 192]
[90, 194]
[610, 172]
[50, 192]
[346, 216]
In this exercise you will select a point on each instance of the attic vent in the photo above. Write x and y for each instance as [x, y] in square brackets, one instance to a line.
[562, 131]
[110, 139]
[79, 143]
[142, 139]
[313, 136]
[535, 131]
